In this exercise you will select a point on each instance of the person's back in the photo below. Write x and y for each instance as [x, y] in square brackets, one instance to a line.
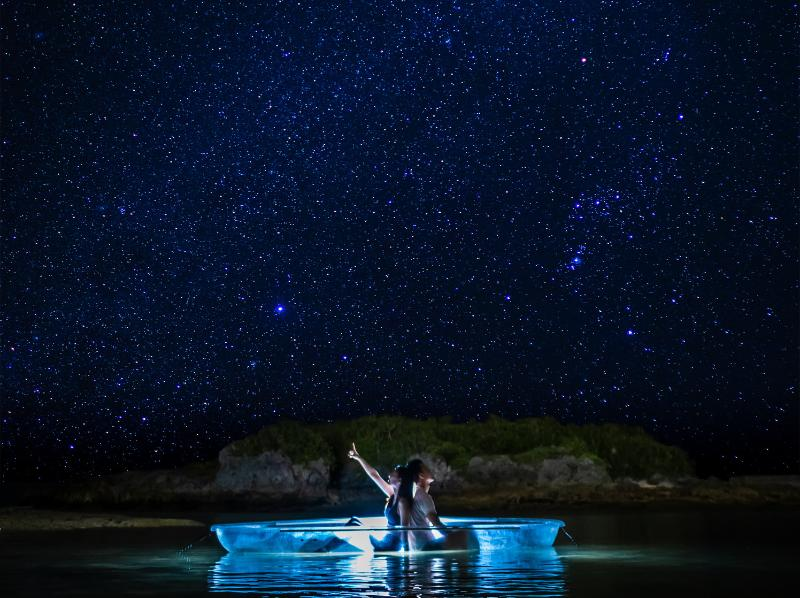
[421, 506]
[391, 512]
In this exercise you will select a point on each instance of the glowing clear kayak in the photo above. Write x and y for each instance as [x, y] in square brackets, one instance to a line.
[338, 536]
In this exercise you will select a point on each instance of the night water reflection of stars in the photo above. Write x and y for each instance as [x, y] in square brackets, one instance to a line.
[215, 216]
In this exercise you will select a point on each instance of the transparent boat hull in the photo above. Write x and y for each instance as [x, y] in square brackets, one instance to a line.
[334, 536]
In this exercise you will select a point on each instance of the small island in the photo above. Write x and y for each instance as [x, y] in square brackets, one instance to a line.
[496, 466]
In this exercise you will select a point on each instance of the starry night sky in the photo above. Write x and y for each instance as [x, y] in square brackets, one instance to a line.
[215, 216]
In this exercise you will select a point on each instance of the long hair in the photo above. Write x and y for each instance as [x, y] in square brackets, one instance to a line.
[398, 469]
[414, 467]
[406, 489]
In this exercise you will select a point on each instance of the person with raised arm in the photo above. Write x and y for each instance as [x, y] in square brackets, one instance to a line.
[390, 487]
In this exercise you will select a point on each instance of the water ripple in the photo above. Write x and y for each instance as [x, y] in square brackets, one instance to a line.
[529, 573]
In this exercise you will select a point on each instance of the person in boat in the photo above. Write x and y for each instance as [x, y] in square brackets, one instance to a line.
[389, 487]
[417, 510]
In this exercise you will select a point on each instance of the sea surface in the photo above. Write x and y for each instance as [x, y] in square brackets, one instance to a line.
[632, 552]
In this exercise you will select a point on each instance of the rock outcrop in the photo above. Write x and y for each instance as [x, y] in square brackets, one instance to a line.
[271, 475]
[572, 470]
[500, 471]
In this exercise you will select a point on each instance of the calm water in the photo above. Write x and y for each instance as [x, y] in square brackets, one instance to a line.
[630, 553]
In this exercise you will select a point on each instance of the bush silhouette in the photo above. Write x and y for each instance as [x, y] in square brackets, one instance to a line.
[386, 440]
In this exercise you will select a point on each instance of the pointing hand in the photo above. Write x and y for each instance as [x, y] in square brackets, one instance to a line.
[353, 453]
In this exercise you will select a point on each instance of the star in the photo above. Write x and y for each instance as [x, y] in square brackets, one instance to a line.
[407, 177]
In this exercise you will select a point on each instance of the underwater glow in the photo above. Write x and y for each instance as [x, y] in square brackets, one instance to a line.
[334, 536]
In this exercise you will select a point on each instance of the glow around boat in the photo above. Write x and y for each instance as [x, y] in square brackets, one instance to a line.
[338, 536]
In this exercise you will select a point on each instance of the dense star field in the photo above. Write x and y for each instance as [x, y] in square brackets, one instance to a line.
[215, 216]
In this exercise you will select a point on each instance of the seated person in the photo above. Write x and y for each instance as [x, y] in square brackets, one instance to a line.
[389, 487]
[421, 513]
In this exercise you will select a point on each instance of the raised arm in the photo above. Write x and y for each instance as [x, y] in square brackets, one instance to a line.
[385, 487]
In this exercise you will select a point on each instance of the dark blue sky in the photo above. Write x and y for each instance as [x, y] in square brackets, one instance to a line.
[214, 216]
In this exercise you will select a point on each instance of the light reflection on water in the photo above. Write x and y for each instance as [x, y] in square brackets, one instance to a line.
[531, 573]
[722, 553]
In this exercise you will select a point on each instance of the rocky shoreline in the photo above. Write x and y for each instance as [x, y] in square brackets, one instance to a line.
[495, 464]
[272, 480]
[753, 492]
[16, 519]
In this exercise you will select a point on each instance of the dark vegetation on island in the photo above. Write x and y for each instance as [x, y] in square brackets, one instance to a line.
[493, 464]
[389, 440]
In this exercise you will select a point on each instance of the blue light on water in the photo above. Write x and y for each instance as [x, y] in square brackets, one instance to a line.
[656, 554]
[333, 536]
[530, 573]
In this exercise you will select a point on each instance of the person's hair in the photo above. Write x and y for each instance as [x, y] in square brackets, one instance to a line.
[414, 468]
[406, 489]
